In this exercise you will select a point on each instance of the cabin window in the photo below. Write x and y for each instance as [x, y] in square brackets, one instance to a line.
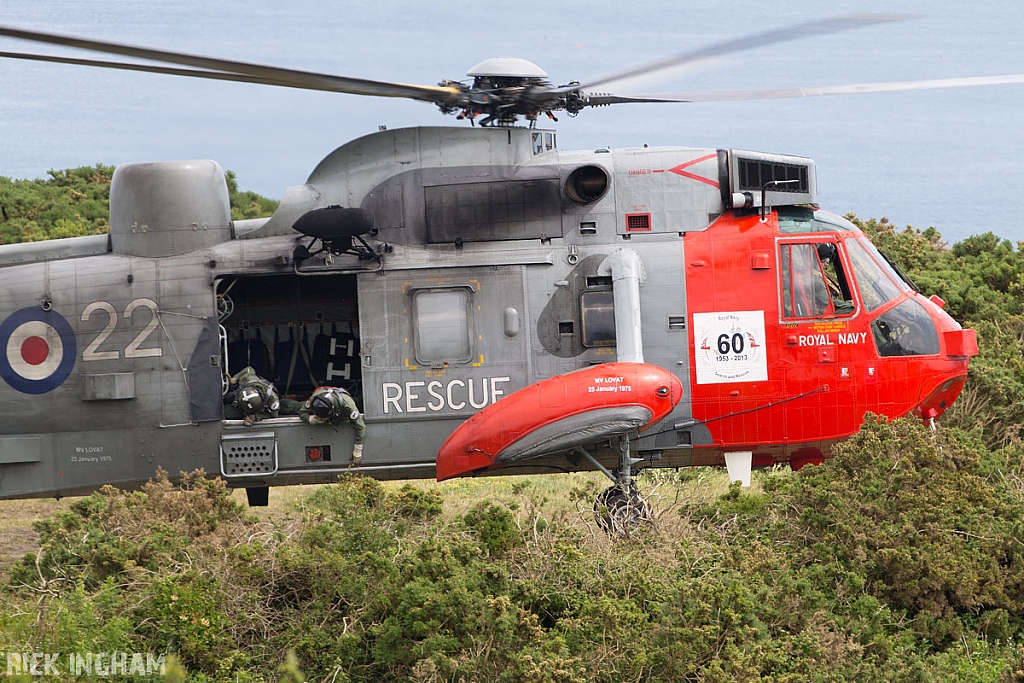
[814, 282]
[598, 317]
[441, 325]
[877, 282]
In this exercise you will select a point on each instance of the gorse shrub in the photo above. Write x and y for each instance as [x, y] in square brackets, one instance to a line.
[495, 526]
[113, 531]
[923, 522]
[898, 560]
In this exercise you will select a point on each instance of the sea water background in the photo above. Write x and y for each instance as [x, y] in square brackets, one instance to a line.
[953, 159]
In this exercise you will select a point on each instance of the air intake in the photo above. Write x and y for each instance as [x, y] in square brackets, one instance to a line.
[749, 172]
[756, 173]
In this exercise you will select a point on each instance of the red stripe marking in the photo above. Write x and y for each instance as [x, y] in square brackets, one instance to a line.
[678, 170]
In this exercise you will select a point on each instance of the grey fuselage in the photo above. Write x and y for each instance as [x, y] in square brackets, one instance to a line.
[492, 245]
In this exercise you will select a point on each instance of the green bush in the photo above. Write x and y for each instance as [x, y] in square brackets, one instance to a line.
[895, 561]
[112, 532]
[494, 526]
[915, 517]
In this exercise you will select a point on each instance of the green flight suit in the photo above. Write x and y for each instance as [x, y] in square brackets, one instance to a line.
[245, 380]
[343, 411]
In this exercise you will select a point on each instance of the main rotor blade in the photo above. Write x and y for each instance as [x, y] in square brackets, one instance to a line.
[147, 68]
[264, 74]
[820, 91]
[748, 42]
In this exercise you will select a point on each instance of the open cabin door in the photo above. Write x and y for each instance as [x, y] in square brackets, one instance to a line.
[299, 332]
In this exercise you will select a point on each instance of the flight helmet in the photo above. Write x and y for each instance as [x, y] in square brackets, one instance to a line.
[250, 400]
[322, 407]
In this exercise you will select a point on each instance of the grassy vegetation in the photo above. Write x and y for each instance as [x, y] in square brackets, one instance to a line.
[899, 560]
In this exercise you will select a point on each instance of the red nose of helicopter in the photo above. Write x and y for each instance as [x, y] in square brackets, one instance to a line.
[945, 379]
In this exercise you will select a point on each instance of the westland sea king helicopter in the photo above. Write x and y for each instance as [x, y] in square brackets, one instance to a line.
[493, 304]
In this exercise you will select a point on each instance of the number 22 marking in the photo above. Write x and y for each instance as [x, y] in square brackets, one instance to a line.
[132, 350]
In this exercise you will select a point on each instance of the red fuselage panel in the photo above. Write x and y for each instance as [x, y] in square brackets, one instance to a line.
[764, 378]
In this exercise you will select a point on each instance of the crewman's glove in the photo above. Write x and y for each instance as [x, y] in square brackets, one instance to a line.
[357, 454]
[249, 420]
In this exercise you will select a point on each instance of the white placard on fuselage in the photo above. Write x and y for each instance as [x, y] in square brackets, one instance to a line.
[730, 347]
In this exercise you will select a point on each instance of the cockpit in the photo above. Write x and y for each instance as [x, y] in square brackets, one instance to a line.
[830, 271]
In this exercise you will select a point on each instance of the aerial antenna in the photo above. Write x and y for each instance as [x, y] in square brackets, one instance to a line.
[770, 185]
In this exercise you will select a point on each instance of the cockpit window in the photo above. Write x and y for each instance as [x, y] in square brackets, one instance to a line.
[814, 283]
[877, 283]
[905, 331]
[795, 219]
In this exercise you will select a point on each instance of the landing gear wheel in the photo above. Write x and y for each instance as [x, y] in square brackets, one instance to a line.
[621, 512]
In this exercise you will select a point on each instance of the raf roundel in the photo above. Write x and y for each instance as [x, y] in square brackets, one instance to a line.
[37, 350]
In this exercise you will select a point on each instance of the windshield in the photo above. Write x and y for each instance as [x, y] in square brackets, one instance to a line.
[887, 265]
[905, 331]
[877, 283]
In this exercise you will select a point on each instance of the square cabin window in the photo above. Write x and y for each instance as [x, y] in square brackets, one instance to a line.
[598, 314]
[441, 325]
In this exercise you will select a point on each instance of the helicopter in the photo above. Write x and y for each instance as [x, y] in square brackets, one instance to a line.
[493, 304]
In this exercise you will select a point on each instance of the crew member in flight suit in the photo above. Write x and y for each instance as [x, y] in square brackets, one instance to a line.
[334, 406]
[254, 399]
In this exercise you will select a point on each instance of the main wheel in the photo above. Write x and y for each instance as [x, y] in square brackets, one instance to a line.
[621, 512]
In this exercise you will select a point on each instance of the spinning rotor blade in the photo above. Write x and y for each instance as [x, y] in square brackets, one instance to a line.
[231, 70]
[783, 93]
[734, 45]
[495, 101]
[147, 68]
